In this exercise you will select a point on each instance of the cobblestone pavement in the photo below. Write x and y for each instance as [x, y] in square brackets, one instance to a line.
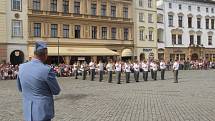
[193, 99]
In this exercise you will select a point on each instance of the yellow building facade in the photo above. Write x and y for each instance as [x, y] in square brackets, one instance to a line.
[82, 29]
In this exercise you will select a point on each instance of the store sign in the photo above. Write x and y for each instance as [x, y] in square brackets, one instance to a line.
[178, 50]
[16, 53]
[147, 49]
[81, 58]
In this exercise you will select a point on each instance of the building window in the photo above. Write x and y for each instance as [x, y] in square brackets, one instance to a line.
[170, 5]
[212, 10]
[103, 10]
[104, 32]
[207, 23]
[198, 9]
[36, 4]
[180, 21]
[94, 32]
[16, 28]
[198, 39]
[66, 31]
[54, 32]
[141, 3]
[37, 29]
[53, 5]
[179, 6]
[141, 17]
[150, 3]
[150, 35]
[212, 23]
[113, 33]
[160, 18]
[150, 19]
[141, 34]
[17, 5]
[210, 40]
[77, 7]
[77, 31]
[113, 11]
[126, 32]
[191, 40]
[125, 12]
[173, 39]
[93, 9]
[189, 8]
[199, 23]
[65, 6]
[189, 22]
[170, 20]
[206, 10]
[180, 39]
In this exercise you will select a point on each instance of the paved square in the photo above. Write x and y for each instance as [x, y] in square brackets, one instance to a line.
[193, 99]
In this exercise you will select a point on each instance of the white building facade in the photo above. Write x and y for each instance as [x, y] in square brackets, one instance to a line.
[145, 29]
[189, 29]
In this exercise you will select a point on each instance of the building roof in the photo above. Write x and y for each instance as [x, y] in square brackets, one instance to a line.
[202, 1]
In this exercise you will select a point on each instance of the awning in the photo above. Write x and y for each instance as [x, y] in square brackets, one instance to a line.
[70, 51]
[127, 53]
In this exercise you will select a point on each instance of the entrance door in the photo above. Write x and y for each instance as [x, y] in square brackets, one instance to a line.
[142, 57]
[16, 57]
[194, 56]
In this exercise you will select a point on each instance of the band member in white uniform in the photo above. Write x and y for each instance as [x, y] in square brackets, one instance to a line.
[145, 68]
[127, 71]
[175, 71]
[100, 70]
[118, 69]
[155, 69]
[109, 68]
[163, 68]
[136, 67]
[92, 70]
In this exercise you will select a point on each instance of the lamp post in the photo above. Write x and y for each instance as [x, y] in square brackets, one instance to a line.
[58, 51]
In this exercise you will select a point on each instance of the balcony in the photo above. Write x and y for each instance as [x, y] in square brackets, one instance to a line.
[40, 13]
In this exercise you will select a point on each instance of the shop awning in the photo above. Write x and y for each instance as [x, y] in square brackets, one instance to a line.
[70, 51]
[127, 53]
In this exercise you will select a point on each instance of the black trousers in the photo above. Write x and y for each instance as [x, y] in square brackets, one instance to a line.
[127, 77]
[76, 74]
[118, 77]
[136, 76]
[162, 74]
[109, 76]
[155, 75]
[84, 73]
[175, 76]
[101, 75]
[145, 75]
[152, 74]
[92, 74]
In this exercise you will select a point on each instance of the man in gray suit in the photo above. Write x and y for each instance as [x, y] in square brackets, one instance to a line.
[38, 84]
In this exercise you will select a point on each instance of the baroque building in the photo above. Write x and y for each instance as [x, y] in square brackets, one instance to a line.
[82, 29]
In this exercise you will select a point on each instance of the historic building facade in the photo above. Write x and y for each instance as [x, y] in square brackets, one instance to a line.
[82, 29]
[145, 29]
[13, 31]
[189, 29]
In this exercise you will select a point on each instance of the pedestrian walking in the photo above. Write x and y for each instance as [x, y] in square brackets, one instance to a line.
[100, 70]
[136, 67]
[145, 68]
[127, 71]
[109, 68]
[118, 70]
[163, 68]
[37, 82]
[92, 70]
[175, 71]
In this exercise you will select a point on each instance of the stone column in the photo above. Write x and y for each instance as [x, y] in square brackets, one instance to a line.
[98, 7]
[71, 6]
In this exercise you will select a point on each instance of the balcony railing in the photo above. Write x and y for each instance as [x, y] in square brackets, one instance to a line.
[75, 15]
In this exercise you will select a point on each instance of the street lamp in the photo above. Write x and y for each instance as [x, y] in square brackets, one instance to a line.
[58, 51]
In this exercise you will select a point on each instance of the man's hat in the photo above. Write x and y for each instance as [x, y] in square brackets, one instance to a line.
[40, 45]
